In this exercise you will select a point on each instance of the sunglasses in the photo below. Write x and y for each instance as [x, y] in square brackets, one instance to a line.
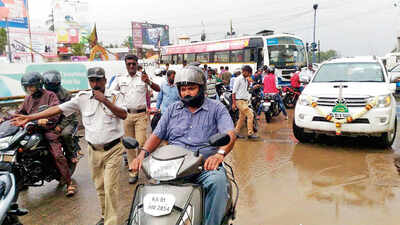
[131, 64]
[95, 79]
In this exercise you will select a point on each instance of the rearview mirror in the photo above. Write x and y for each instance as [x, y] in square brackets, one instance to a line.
[219, 140]
[130, 143]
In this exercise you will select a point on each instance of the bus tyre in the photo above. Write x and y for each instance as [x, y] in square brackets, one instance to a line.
[387, 138]
[300, 135]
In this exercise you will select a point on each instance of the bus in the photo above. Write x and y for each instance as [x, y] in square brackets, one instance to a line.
[282, 51]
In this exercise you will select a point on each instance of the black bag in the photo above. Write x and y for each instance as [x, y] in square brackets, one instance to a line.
[154, 120]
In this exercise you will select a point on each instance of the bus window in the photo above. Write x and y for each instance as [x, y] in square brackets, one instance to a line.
[221, 57]
[173, 59]
[166, 58]
[250, 55]
[202, 57]
[237, 56]
[179, 59]
[190, 57]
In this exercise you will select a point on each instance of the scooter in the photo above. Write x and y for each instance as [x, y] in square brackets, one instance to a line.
[171, 200]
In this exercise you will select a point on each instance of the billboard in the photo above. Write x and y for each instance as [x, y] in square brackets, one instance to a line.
[149, 35]
[16, 13]
[71, 21]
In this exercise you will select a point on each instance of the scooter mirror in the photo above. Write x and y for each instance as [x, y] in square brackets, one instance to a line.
[219, 140]
[130, 143]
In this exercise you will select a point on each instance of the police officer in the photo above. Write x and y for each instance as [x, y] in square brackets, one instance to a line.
[102, 114]
[66, 125]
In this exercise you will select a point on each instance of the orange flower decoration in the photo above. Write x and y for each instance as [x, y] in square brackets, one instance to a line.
[314, 104]
[368, 107]
[328, 117]
[338, 125]
[349, 119]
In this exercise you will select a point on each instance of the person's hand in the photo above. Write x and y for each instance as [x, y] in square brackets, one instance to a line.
[145, 78]
[58, 129]
[234, 107]
[1, 120]
[136, 164]
[20, 120]
[213, 162]
[99, 96]
[43, 122]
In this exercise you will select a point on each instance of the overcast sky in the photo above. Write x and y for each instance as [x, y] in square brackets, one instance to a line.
[352, 27]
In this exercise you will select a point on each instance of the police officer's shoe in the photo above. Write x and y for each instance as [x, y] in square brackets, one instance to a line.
[239, 136]
[133, 180]
[101, 222]
[253, 136]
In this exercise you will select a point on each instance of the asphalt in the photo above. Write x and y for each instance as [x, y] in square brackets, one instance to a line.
[335, 181]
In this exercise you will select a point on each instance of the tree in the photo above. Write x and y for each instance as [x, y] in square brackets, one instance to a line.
[3, 40]
[78, 49]
[330, 54]
[128, 42]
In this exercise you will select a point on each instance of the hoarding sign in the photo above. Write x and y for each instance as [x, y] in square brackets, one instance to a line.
[150, 34]
[16, 13]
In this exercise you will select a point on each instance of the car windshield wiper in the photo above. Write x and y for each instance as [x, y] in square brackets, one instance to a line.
[370, 81]
[338, 81]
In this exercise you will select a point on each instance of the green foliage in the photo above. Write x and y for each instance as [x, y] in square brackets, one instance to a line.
[3, 40]
[323, 55]
[78, 49]
[128, 42]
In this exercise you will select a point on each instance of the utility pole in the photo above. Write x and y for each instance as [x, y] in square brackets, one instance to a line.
[319, 51]
[8, 41]
[29, 29]
[314, 45]
[397, 5]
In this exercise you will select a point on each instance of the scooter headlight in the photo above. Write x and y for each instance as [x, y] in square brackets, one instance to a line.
[5, 142]
[164, 170]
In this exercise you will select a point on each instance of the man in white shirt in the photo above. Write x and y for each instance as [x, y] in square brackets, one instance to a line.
[240, 100]
[134, 87]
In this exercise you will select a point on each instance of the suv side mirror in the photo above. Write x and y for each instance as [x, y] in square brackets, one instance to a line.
[218, 140]
[130, 143]
[394, 77]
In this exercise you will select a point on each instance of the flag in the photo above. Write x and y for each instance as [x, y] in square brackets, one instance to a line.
[93, 37]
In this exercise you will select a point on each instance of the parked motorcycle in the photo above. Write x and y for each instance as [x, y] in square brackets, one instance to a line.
[25, 153]
[171, 200]
[290, 96]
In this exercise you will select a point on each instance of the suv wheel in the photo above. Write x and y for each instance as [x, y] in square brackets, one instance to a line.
[300, 135]
[387, 138]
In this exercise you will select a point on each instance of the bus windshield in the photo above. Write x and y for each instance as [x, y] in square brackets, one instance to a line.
[286, 52]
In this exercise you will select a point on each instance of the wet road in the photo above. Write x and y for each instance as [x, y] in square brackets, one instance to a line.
[341, 182]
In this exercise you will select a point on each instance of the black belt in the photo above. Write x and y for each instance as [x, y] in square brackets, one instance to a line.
[242, 99]
[108, 145]
[136, 110]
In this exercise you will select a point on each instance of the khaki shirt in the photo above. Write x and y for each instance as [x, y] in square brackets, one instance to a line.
[133, 89]
[101, 125]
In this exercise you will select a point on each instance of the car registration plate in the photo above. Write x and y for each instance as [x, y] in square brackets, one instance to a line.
[339, 116]
[158, 204]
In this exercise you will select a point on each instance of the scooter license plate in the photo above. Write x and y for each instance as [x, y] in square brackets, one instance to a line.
[158, 204]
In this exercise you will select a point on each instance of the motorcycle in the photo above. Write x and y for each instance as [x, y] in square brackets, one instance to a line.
[270, 106]
[171, 200]
[290, 96]
[9, 209]
[25, 153]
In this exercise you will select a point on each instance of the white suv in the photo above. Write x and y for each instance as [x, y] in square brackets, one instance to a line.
[348, 96]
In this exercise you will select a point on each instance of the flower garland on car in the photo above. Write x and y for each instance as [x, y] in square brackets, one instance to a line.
[339, 122]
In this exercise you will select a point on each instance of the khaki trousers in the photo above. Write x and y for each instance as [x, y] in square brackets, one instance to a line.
[135, 125]
[105, 168]
[244, 111]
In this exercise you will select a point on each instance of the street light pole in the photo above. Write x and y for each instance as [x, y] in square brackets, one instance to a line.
[8, 41]
[314, 45]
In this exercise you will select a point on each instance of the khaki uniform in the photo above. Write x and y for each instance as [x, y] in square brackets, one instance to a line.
[135, 125]
[102, 130]
[240, 89]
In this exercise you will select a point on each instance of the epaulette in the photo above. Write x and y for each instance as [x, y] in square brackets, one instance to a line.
[84, 93]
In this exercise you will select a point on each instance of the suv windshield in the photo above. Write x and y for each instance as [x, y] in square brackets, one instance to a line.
[350, 72]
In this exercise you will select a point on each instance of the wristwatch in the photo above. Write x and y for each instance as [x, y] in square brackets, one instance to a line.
[147, 153]
[222, 152]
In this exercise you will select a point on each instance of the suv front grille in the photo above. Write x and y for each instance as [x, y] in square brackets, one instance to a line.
[322, 119]
[350, 102]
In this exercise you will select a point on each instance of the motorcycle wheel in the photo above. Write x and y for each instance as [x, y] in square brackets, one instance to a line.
[289, 101]
[12, 220]
[275, 109]
[268, 117]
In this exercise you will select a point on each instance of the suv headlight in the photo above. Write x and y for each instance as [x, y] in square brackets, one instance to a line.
[305, 100]
[383, 101]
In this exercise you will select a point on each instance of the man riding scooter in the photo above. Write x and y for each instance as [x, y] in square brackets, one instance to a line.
[66, 124]
[190, 123]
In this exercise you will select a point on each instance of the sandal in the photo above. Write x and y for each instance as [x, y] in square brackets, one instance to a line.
[71, 190]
